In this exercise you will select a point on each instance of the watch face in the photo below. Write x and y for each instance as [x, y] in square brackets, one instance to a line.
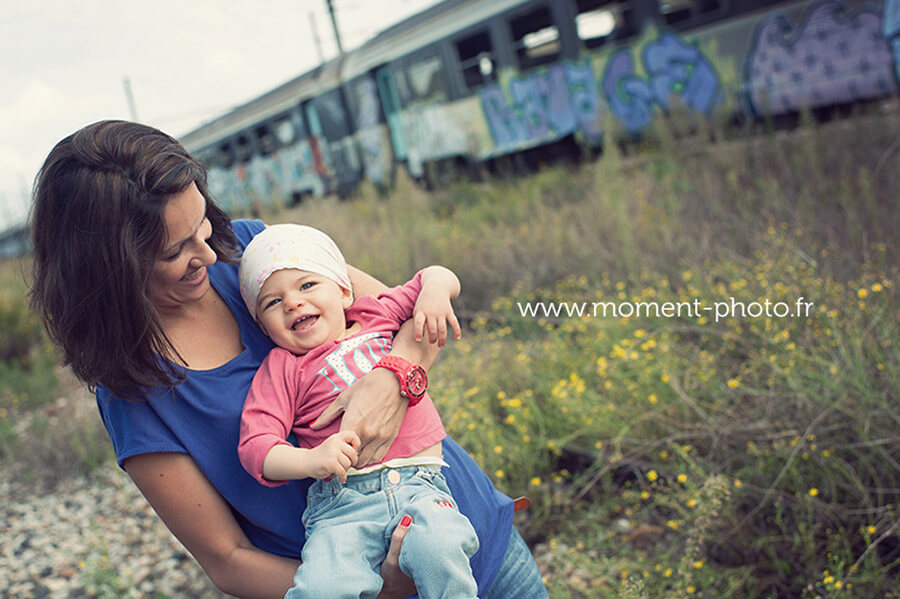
[416, 381]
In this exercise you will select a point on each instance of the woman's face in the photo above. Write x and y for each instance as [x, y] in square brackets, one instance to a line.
[179, 273]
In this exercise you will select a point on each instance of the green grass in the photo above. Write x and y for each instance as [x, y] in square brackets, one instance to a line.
[746, 456]
[757, 454]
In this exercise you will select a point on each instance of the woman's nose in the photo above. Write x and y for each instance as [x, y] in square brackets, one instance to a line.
[205, 257]
[209, 255]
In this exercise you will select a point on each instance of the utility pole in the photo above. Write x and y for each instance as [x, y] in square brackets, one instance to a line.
[337, 34]
[318, 42]
[126, 83]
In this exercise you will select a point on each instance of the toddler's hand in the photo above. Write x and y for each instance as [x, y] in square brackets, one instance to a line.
[335, 455]
[432, 313]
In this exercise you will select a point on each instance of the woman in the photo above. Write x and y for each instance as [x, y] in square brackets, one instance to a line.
[135, 277]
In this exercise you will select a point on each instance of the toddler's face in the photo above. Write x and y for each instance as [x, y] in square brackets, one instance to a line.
[300, 310]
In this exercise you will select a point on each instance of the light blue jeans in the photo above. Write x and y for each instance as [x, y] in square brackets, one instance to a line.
[519, 577]
[348, 531]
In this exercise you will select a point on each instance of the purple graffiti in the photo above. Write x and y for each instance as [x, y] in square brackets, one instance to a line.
[674, 68]
[542, 106]
[833, 55]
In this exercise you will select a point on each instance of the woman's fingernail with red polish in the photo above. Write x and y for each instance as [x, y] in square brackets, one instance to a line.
[406, 521]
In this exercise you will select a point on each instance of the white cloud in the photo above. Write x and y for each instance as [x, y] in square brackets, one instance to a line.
[36, 102]
[187, 62]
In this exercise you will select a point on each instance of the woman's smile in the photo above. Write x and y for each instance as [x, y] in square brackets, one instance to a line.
[195, 276]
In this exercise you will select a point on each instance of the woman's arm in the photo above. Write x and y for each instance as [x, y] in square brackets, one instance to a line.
[202, 521]
[372, 406]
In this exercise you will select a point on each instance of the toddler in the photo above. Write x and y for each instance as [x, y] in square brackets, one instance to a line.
[294, 281]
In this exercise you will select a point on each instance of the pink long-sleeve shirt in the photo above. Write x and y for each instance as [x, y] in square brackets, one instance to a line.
[289, 392]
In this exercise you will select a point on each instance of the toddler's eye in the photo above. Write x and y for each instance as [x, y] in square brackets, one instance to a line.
[271, 302]
[306, 285]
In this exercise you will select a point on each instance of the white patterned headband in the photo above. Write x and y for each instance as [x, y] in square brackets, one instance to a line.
[289, 246]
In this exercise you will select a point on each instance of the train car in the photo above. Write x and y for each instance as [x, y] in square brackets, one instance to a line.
[470, 81]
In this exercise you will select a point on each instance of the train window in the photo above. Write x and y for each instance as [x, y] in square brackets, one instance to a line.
[285, 131]
[600, 21]
[266, 140]
[243, 148]
[333, 119]
[681, 14]
[476, 57]
[535, 38]
[206, 157]
[224, 156]
[426, 78]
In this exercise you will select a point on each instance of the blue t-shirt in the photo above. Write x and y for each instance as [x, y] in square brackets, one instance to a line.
[201, 417]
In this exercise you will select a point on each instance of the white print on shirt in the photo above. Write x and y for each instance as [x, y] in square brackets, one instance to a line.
[363, 350]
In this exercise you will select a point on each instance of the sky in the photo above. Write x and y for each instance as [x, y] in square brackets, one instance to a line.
[65, 62]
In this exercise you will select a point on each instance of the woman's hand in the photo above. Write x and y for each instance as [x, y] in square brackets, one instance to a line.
[396, 583]
[373, 408]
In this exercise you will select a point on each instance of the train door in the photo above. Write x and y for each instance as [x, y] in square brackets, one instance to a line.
[318, 145]
[390, 102]
[312, 117]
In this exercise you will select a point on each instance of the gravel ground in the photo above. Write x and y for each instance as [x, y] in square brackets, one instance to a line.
[93, 535]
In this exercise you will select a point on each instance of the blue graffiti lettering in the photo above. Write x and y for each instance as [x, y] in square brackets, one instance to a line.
[584, 101]
[675, 69]
[530, 102]
[498, 115]
[545, 105]
[629, 96]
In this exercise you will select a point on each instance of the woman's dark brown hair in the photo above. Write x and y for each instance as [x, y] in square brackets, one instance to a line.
[97, 228]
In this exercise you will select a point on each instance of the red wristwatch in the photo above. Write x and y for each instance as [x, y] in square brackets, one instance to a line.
[413, 378]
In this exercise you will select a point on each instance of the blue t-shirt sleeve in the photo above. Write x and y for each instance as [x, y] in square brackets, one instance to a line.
[135, 428]
[246, 229]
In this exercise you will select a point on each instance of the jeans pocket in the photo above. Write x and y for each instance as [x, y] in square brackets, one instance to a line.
[440, 482]
[319, 501]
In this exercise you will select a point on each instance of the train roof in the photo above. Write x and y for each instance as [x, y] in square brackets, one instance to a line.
[423, 28]
[271, 103]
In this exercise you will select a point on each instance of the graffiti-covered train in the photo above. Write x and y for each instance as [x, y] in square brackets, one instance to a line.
[475, 80]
